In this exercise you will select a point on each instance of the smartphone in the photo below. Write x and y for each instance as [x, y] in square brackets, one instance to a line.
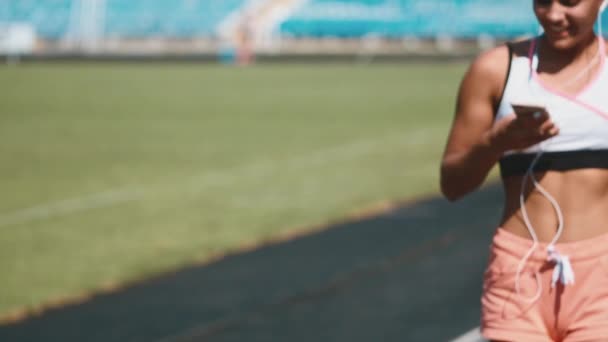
[535, 110]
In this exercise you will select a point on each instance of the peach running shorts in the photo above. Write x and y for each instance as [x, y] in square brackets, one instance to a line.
[571, 313]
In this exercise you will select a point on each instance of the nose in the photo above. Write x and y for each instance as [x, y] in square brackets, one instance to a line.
[555, 13]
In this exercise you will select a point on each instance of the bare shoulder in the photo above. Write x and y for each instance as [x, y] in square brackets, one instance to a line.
[491, 65]
[489, 70]
[485, 78]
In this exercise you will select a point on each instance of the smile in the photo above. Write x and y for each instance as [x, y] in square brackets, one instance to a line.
[562, 32]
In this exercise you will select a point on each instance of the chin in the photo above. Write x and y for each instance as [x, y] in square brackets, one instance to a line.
[563, 43]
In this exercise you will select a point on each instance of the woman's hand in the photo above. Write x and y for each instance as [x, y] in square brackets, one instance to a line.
[517, 132]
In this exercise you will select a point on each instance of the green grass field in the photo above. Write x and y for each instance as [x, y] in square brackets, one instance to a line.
[111, 173]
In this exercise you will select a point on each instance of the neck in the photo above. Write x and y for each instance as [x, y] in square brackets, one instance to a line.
[586, 49]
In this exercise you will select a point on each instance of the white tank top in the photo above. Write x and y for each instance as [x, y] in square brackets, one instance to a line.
[582, 118]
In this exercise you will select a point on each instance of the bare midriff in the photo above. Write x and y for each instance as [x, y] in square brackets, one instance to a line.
[582, 195]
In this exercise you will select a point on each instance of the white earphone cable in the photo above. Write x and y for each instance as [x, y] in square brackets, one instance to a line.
[563, 269]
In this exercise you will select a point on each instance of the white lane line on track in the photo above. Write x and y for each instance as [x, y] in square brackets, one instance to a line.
[470, 336]
[261, 168]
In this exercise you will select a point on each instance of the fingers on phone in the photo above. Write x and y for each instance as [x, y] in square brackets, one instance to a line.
[548, 129]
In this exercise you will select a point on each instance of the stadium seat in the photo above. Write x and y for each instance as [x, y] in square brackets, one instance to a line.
[401, 18]
[53, 19]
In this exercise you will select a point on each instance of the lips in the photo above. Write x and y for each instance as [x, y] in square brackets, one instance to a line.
[558, 32]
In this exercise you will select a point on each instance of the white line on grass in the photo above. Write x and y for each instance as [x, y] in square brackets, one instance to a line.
[470, 336]
[333, 155]
[198, 184]
[265, 168]
[65, 207]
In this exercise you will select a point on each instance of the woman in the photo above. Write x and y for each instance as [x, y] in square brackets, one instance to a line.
[547, 278]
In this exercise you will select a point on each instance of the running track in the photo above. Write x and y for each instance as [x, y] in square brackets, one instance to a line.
[411, 273]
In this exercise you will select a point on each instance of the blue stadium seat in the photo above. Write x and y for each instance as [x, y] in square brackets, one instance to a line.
[49, 17]
[186, 18]
[422, 18]
[125, 18]
[316, 18]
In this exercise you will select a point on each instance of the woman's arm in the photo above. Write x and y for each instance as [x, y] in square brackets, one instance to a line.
[471, 151]
[476, 143]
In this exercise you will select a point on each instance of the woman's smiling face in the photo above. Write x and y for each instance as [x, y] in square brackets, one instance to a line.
[567, 23]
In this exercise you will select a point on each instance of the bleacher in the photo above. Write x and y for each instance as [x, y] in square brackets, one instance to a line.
[50, 18]
[180, 19]
[113, 23]
[53, 19]
[401, 18]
